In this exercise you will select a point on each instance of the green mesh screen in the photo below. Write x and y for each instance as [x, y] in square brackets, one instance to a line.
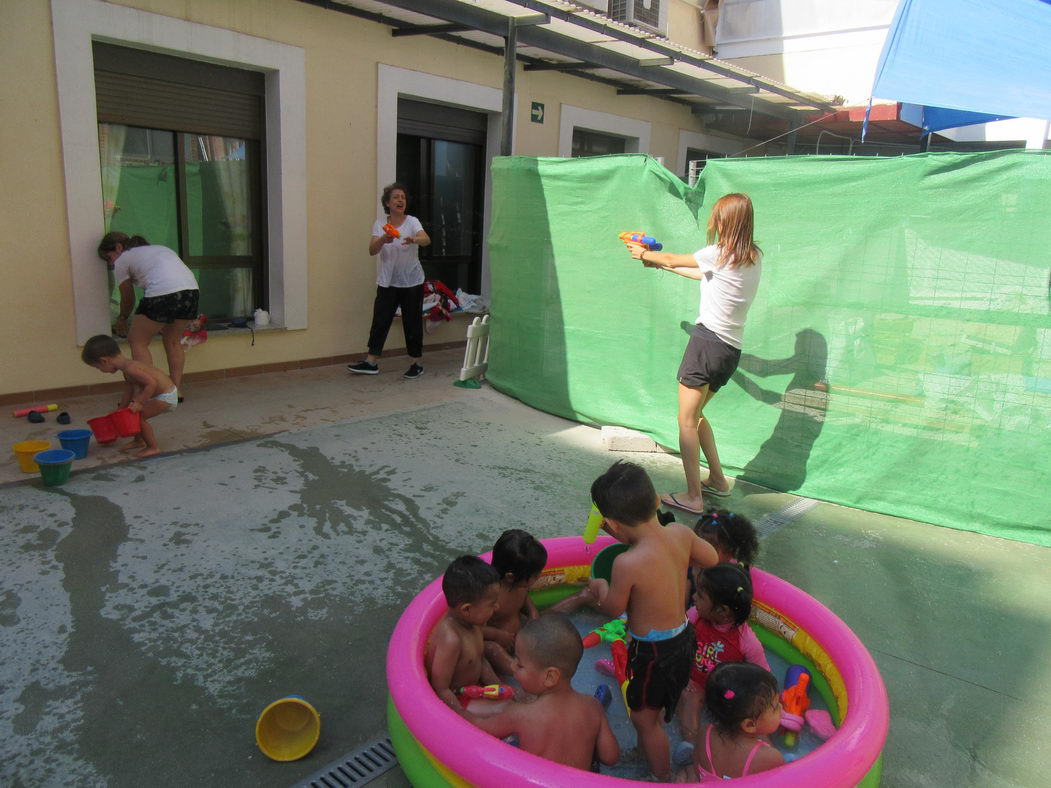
[897, 357]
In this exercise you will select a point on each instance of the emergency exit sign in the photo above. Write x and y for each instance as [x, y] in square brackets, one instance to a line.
[536, 112]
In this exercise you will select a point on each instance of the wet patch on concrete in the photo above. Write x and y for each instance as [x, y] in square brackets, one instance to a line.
[152, 610]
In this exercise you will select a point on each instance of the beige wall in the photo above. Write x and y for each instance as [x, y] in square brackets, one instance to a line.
[342, 54]
[685, 25]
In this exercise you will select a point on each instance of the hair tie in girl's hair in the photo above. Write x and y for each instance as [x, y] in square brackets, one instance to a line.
[729, 694]
[739, 589]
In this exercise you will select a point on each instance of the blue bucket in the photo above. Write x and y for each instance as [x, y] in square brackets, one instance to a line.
[76, 441]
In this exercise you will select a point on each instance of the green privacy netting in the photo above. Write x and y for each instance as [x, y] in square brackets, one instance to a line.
[897, 357]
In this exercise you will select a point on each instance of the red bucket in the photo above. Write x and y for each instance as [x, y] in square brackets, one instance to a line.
[104, 429]
[126, 422]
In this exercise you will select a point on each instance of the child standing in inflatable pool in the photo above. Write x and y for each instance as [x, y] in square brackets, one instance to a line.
[562, 725]
[519, 558]
[744, 706]
[649, 582]
[455, 652]
[722, 601]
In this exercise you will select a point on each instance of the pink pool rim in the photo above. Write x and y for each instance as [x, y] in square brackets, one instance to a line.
[479, 759]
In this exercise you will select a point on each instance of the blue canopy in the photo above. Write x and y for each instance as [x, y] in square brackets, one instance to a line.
[968, 62]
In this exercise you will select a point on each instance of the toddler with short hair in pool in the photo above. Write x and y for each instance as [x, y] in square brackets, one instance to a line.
[519, 559]
[455, 655]
[562, 725]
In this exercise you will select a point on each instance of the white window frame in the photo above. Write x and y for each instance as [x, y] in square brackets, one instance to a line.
[394, 83]
[635, 132]
[695, 139]
[75, 24]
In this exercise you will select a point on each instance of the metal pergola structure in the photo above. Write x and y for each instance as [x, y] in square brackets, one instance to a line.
[555, 35]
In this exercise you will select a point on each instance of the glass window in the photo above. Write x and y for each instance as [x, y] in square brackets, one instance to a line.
[593, 143]
[180, 146]
[195, 194]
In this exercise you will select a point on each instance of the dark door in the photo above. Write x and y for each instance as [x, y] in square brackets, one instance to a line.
[441, 161]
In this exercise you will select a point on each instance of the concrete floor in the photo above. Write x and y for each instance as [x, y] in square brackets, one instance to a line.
[150, 609]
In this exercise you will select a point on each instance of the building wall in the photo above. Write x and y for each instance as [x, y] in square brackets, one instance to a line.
[827, 47]
[46, 264]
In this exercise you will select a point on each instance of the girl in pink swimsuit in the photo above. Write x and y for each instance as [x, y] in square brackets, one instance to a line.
[744, 705]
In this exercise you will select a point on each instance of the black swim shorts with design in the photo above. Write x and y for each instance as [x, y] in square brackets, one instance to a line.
[659, 671]
[170, 307]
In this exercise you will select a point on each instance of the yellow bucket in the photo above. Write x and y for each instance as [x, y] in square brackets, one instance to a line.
[288, 729]
[26, 450]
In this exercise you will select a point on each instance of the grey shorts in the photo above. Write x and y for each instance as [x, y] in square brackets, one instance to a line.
[708, 360]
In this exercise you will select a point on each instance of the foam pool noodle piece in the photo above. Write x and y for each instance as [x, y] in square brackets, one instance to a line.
[605, 667]
[593, 524]
[820, 723]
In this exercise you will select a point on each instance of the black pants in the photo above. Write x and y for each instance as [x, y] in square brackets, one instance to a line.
[388, 299]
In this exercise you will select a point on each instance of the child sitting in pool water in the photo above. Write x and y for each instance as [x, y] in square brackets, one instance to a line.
[732, 535]
[562, 725]
[744, 705]
[722, 601]
[649, 582]
[455, 652]
[519, 559]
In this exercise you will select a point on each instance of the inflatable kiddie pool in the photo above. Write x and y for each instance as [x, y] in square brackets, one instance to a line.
[437, 747]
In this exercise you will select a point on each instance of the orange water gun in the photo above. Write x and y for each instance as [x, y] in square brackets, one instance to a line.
[640, 239]
[794, 702]
[392, 231]
[490, 691]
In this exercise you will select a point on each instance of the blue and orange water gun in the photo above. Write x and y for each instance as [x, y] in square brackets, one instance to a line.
[641, 239]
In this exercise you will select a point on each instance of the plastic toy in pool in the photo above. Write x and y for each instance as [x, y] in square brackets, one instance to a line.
[436, 747]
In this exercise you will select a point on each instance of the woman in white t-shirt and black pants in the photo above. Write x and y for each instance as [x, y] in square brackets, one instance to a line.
[728, 271]
[399, 282]
[169, 301]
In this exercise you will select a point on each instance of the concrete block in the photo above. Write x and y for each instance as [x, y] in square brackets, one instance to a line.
[623, 439]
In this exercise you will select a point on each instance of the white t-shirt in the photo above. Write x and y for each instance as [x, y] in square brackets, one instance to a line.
[156, 269]
[399, 263]
[726, 294]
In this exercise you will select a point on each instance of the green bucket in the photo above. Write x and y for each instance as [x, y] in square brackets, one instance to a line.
[55, 465]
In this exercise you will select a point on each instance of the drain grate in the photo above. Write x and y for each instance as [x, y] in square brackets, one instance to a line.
[359, 767]
[777, 520]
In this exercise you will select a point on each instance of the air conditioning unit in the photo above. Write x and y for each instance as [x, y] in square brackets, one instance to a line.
[648, 14]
